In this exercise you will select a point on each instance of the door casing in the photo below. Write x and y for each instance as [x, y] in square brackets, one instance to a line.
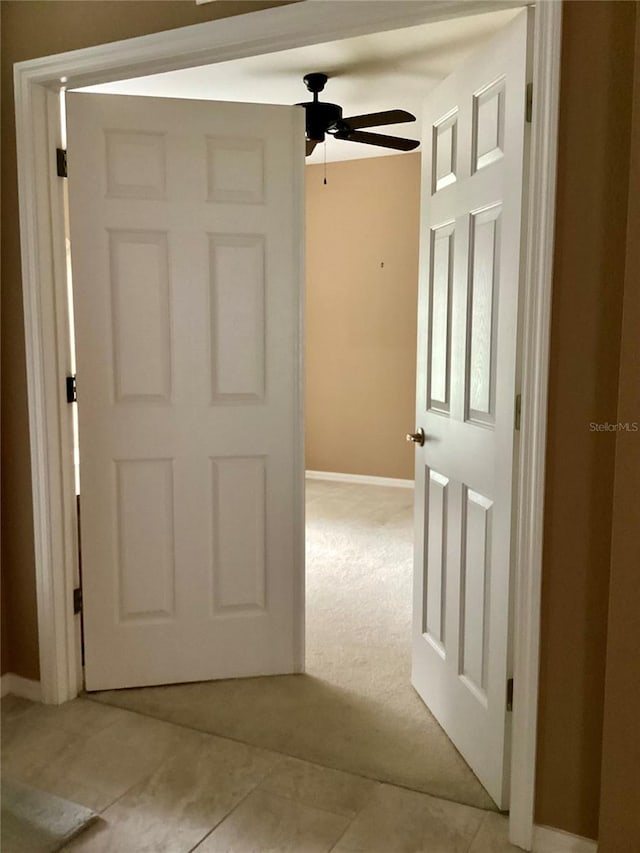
[39, 131]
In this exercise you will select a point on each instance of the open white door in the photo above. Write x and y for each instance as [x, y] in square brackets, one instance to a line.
[186, 231]
[472, 187]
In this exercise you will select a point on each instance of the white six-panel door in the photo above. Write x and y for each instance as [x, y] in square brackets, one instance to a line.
[185, 234]
[472, 189]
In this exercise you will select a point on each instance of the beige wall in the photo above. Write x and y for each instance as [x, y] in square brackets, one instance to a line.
[362, 282]
[587, 311]
[593, 169]
[620, 793]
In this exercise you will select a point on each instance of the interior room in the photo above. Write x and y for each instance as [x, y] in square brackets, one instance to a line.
[354, 709]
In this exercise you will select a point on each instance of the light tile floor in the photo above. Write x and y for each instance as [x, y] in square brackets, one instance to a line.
[162, 788]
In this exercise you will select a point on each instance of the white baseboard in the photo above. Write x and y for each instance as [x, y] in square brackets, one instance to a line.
[362, 479]
[548, 840]
[19, 686]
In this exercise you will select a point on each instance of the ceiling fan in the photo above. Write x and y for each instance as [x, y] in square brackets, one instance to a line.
[323, 118]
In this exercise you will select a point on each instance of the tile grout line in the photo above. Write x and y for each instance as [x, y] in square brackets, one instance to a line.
[144, 779]
[281, 797]
[208, 832]
[256, 789]
[477, 833]
[348, 826]
[240, 801]
[342, 834]
[305, 805]
[222, 819]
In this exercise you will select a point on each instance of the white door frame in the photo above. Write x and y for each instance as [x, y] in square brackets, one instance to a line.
[39, 132]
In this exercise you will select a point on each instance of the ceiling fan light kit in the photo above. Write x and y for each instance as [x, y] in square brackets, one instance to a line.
[323, 118]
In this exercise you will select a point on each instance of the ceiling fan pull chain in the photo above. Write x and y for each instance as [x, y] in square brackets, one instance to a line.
[325, 162]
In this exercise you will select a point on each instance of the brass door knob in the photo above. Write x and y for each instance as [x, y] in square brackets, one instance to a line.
[417, 437]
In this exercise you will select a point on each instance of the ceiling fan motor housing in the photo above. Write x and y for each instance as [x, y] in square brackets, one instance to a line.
[320, 117]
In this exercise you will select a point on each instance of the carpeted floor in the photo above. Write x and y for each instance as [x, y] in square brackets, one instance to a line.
[354, 709]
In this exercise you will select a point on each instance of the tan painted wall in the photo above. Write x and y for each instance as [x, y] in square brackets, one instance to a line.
[593, 169]
[362, 283]
[620, 792]
[587, 310]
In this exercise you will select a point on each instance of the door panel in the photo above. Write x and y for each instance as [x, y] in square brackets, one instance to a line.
[436, 560]
[185, 236]
[239, 526]
[237, 324]
[145, 539]
[473, 164]
[440, 301]
[480, 383]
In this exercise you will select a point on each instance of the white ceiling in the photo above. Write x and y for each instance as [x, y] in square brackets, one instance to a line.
[390, 70]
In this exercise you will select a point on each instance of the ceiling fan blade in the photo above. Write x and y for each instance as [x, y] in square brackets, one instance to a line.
[397, 142]
[378, 119]
[311, 144]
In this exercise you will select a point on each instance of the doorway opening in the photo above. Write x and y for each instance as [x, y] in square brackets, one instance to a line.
[358, 534]
[36, 124]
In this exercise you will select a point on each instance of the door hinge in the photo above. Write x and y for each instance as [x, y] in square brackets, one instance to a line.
[510, 694]
[77, 600]
[72, 389]
[529, 103]
[61, 163]
[518, 411]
